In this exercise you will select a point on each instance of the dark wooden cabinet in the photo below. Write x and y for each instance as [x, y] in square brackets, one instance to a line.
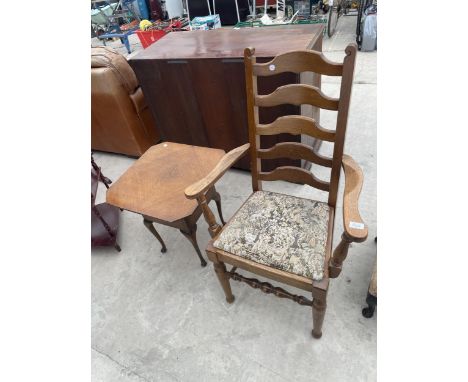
[195, 86]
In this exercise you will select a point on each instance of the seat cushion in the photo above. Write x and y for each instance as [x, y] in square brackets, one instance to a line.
[281, 231]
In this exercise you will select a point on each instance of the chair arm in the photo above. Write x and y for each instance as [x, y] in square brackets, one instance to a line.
[354, 227]
[197, 190]
[355, 230]
[200, 187]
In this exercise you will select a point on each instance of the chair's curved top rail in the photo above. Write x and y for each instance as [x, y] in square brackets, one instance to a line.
[298, 62]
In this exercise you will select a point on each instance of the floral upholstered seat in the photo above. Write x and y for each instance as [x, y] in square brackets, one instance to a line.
[282, 231]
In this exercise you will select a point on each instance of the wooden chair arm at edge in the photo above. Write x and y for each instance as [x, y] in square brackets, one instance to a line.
[354, 227]
[355, 230]
[200, 187]
[197, 190]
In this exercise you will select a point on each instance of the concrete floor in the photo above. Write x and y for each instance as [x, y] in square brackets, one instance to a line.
[161, 317]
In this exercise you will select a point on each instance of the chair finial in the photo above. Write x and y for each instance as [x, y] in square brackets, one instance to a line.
[249, 52]
[351, 49]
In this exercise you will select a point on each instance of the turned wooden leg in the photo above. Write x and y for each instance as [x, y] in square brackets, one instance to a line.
[318, 314]
[339, 255]
[191, 235]
[213, 227]
[151, 228]
[223, 278]
[217, 199]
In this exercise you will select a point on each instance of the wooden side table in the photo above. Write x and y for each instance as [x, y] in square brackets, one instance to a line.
[154, 188]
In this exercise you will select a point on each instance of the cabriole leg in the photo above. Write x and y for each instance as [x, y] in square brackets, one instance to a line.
[151, 228]
[191, 235]
[217, 199]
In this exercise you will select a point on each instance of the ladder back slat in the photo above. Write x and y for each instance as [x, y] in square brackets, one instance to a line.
[295, 175]
[298, 62]
[294, 150]
[296, 124]
[297, 94]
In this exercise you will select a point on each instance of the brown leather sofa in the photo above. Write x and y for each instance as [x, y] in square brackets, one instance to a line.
[121, 121]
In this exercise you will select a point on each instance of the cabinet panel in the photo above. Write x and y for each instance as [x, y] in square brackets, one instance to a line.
[170, 87]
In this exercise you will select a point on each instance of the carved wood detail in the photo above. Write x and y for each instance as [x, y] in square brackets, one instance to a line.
[339, 255]
[297, 94]
[213, 226]
[268, 288]
[296, 124]
[294, 150]
[295, 174]
[297, 62]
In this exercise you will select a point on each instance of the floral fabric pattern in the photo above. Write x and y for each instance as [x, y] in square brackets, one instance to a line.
[281, 231]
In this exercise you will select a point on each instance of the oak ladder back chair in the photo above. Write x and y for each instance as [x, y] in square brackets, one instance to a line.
[282, 237]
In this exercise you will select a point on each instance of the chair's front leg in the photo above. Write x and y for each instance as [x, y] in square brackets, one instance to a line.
[223, 278]
[319, 306]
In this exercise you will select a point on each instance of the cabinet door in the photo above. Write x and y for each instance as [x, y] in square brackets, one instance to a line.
[219, 87]
[168, 86]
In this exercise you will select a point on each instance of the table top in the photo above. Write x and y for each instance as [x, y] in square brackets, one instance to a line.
[154, 185]
[229, 42]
